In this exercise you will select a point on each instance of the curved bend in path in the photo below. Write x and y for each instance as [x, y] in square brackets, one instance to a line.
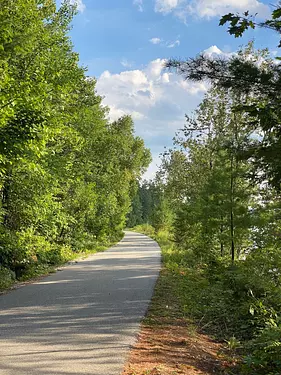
[82, 320]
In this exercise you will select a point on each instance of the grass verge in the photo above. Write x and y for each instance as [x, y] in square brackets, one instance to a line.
[172, 342]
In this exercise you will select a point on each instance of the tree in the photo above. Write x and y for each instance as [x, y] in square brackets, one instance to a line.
[135, 216]
[208, 183]
[251, 74]
[67, 174]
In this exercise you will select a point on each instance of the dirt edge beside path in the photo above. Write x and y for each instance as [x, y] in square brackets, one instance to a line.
[169, 344]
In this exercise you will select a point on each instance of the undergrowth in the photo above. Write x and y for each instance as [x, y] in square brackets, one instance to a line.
[34, 257]
[238, 304]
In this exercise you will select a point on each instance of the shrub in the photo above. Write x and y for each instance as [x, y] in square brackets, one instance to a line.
[7, 278]
[34, 270]
[265, 353]
[146, 229]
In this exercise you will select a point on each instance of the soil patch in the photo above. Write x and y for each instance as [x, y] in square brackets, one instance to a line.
[169, 344]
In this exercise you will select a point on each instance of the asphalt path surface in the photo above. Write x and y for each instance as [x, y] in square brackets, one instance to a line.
[83, 319]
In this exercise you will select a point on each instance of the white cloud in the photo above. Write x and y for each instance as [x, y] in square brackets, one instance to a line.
[80, 5]
[139, 5]
[153, 168]
[166, 6]
[165, 78]
[212, 8]
[209, 8]
[163, 43]
[193, 88]
[155, 98]
[174, 44]
[155, 40]
[155, 68]
[116, 113]
[214, 51]
[137, 115]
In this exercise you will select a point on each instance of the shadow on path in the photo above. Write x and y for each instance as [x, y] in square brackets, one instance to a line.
[84, 319]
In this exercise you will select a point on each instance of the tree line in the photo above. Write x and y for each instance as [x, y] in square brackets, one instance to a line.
[218, 198]
[67, 173]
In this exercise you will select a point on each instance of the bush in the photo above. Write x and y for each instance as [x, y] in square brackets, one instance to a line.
[241, 300]
[34, 270]
[146, 229]
[11, 252]
[56, 254]
[7, 278]
[265, 353]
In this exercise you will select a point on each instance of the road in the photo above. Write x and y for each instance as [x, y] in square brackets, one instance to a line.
[83, 319]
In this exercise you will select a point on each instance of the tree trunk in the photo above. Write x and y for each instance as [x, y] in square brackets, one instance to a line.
[6, 198]
[221, 231]
[231, 213]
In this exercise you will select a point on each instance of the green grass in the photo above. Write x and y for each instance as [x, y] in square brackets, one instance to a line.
[231, 303]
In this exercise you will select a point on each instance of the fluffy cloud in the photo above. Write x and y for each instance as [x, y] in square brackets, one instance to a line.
[155, 40]
[156, 99]
[209, 8]
[80, 5]
[214, 51]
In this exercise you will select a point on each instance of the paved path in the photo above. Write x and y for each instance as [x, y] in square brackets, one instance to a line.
[83, 319]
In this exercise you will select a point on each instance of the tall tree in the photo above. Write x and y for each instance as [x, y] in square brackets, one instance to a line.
[67, 173]
[207, 181]
[249, 74]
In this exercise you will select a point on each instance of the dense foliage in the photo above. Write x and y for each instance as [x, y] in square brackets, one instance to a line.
[252, 76]
[150, 206]
[67, 174]
[221, 185]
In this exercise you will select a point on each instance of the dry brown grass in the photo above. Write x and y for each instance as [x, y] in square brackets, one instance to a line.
[169, 344]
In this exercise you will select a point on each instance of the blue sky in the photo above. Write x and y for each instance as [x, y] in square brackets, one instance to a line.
[124, 44]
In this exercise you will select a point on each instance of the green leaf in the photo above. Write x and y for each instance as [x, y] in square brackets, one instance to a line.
[226, 18]
[276, 13]
[252, 310]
